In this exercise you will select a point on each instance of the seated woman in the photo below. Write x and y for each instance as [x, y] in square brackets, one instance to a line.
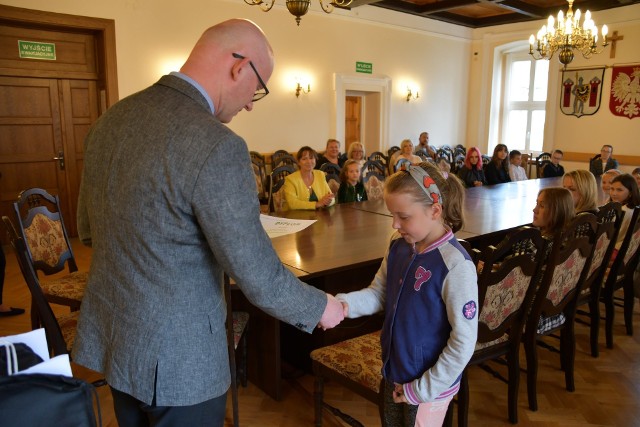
[497, 171]
[471, 173]
[405, 153]
[331, 154]
[624, 190]
[351, 188]
[307, 188]
[356, 152]
[584, 190]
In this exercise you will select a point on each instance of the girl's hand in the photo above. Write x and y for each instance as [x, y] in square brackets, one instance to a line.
[398, 394]
[345, 308]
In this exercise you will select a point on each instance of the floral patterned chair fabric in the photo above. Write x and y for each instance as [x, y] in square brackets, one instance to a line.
[565, 271]
[374, 185]
[41, 226]
[620, 276]
[506, 286]
[609, 219]
[355, 363]
[60, 330]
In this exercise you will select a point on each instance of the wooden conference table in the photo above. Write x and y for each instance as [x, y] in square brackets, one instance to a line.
[342, 251]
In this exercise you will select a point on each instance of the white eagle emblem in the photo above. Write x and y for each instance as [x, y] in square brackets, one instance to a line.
[626, 91]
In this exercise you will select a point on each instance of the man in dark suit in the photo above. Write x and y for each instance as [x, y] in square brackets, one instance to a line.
[166, 216]
[554, 168]
[603, 162]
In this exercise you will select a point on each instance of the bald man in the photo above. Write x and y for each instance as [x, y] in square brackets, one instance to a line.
[166, 216]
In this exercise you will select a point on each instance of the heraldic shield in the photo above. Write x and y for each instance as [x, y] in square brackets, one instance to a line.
[625, 91]
[581, 91]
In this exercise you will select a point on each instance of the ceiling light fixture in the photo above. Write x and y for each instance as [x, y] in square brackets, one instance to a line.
[299, 8]
[565, 34]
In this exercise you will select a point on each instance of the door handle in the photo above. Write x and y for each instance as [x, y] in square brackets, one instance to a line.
[60, 159]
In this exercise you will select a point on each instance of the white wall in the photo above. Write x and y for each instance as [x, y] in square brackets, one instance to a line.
[155, 36]
[579, 135]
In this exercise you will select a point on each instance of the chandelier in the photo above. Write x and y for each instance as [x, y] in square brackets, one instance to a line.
[565, 34]
[298, 8]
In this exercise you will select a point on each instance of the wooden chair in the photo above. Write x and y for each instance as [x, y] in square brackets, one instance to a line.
[392, 150]
[275, 157]
[381, 159]
[372, 166]
[620, 276]
[373, 182]
[541, 162]
[260, 173]
[236, 323]
[506, 286]
[459, 150]
[277, 202]
[458, 163]
[286, 160]
[565, 269]
[485, 160]
[609, 220]
[60, 331]
[41, 226]
[332, 177]
[355, 364]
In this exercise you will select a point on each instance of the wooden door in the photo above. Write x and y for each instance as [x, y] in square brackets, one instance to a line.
[48, 106]
[352, 120]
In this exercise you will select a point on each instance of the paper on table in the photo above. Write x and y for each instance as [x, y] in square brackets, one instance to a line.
[58, 365]
[275, 226]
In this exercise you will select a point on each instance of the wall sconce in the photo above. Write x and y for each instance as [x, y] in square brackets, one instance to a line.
[411, 95]
[301, 89]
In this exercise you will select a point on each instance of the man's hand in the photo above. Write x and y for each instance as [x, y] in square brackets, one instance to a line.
[333, 313]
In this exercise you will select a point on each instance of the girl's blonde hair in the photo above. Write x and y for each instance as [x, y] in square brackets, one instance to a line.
[587, 188]
[345, 168]
[451, 188]
[559, 206]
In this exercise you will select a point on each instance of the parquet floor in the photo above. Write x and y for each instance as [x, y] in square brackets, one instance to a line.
[607, 388]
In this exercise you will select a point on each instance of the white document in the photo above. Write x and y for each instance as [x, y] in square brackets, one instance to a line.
[275, 226]
[37, 341]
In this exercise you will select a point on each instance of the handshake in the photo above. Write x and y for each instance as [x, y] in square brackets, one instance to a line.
[334, 313]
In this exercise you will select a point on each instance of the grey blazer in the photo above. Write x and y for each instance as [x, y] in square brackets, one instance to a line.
[168, 202]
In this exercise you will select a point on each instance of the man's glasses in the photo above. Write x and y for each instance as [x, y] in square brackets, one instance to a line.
[260, 93]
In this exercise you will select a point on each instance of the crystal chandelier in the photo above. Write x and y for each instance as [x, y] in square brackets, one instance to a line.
[298, 8]
[565, 34]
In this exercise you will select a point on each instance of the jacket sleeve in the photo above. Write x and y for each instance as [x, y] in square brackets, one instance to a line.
[371, 299]
[227, 210]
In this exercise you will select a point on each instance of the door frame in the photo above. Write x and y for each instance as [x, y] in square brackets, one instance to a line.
[382, 85]
[103, 29]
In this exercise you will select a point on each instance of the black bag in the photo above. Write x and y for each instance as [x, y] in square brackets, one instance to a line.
[47, 400]
[26, 358]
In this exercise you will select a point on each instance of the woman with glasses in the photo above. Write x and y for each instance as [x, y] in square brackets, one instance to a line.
[356, 152]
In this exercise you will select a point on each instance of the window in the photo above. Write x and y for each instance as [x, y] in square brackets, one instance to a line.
[525, 95]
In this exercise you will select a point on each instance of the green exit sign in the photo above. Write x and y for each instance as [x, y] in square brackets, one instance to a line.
[364, 67]
[37, 50]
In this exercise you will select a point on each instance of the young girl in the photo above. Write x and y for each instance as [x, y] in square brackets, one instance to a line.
[553, 211]
[427, 286]
[624, 190]
[497, 171]
[472, 173]
[351, 189]
[583, 188]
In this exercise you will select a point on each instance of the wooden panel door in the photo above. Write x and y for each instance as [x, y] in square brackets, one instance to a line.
[352, 114]
[42, 127]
